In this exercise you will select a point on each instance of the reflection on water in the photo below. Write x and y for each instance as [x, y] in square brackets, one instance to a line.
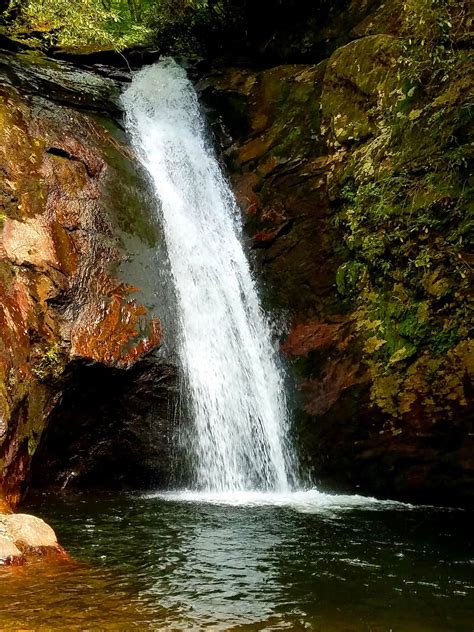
[157, 563]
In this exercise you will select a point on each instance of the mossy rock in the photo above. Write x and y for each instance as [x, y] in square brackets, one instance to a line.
[360, 76]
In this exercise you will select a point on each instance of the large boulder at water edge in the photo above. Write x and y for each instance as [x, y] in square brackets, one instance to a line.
[24, 537]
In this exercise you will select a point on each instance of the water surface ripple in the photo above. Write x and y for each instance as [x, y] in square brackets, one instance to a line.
[157, 563]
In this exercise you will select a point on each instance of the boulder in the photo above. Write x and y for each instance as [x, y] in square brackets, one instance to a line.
[24, 538]
[27, 531]
[9, 553]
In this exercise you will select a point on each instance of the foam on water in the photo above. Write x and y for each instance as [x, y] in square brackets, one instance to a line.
[308, 501]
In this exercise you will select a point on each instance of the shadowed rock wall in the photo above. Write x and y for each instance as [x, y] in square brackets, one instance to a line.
[354, 176]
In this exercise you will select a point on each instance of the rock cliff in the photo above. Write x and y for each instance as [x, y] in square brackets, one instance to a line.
[355, 178]
[77, 334]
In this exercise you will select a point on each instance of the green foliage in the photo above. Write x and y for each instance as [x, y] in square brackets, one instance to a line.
[238, 27]
[180, 26]
[431, 29]
[176, 24]
[81, 24]
[348, 277]
[407, 218]
[193, 27]
[199, 28]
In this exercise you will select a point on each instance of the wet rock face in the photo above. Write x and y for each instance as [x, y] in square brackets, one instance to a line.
[110, 430]
[325, 160]
[75, 230]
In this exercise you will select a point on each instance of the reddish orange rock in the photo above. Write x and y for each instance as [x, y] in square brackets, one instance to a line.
[310, 336]
[321, 394]
[112, 332]
[4, 506]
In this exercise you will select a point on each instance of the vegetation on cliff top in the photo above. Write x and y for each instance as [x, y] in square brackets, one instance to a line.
[94, 23]
[111, 23]
[277, 29]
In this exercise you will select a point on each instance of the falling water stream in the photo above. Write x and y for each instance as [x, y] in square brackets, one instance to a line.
[231, 372]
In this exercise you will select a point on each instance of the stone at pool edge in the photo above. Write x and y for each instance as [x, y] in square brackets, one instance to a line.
[24, 538]
[10, 554]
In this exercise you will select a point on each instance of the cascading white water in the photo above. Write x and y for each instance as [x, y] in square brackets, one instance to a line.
[235, 387]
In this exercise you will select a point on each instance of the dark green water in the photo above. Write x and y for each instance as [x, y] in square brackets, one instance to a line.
[152, 564]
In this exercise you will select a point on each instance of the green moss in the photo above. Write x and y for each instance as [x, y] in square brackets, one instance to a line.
[126, 191]
[444, 340]
[33, 442]
[396, 154]
[50, 365]
[292, 142]
[406, 202]
[35, 419]
[348, 276]
[288, 99]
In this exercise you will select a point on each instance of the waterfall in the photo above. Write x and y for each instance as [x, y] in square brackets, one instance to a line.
[229, 364]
